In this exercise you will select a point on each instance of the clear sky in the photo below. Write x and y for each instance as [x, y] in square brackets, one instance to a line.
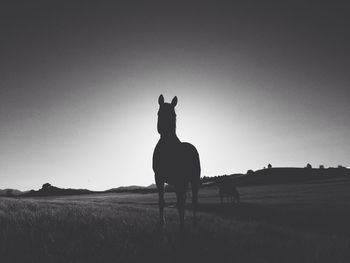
[256, 83]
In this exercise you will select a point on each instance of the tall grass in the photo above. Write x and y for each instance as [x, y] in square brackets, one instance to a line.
[89, 230]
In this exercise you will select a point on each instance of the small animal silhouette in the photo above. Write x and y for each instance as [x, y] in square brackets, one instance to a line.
[227, 188]
[174, 162]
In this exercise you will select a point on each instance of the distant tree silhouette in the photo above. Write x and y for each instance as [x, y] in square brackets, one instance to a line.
[321, 166]
[308, 166]
[250, 172]
[46, 186]
[204, 179]
[269, 166]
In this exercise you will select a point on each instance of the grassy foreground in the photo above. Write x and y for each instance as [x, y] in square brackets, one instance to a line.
[123, 228]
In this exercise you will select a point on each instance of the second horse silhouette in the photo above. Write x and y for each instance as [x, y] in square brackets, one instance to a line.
[174, 162]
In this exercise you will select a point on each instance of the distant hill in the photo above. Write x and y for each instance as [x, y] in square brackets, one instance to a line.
[152, 188]
[282, 175]
[10, 192]
[293, 175]
[125, 188]
[133, 189]
[49, 190]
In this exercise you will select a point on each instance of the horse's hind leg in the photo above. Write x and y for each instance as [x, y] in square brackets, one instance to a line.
[195, 187]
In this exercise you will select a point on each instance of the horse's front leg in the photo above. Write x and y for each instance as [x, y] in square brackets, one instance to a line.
[181, 200]
[161, 202]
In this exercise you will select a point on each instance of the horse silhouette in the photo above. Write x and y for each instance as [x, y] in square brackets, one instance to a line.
[227, 188]
[174, 162]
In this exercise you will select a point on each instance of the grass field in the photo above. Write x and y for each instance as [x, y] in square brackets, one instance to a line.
[306, 222]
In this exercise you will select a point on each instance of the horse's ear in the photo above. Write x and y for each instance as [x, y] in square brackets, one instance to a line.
[174, 101]
[161, 99]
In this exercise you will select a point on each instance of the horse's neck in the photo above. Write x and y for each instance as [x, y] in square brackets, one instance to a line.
[170, 139]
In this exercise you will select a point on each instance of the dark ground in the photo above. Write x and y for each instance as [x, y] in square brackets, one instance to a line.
[305, 222]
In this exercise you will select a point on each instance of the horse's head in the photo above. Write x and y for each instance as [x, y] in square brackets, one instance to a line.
[166, 116]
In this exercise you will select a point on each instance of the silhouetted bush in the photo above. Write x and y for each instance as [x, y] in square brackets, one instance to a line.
[46, 186]
[250, 172]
